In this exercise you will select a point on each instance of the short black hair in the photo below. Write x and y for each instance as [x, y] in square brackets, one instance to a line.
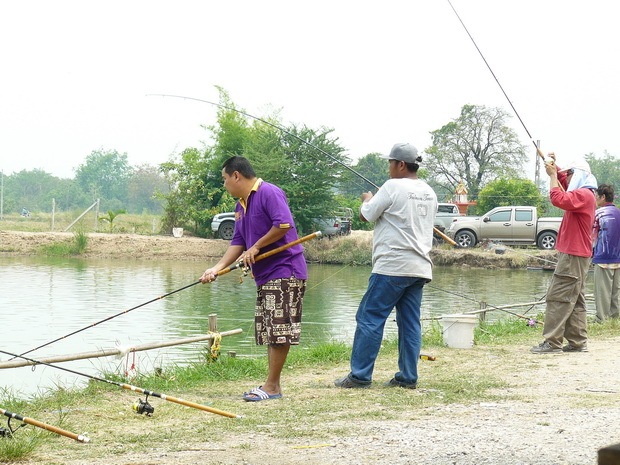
[607, 190]
[239, 164]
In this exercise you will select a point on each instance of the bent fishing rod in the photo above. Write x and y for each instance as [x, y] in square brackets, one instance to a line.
[538, 151]
[224, 271]
[40, 424]
[295, 136]
[141, 406]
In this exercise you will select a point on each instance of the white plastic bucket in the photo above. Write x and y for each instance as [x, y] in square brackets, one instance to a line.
[177, 232]
[458, 330]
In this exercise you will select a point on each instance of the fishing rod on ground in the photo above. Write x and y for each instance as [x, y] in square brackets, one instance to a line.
[239, 264]
[140, 406]
[8, 432]
[295, 136]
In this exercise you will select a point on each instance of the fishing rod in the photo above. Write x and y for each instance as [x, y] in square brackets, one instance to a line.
[538, 151]
[224, 271]
[141, 406]
[489, 306]
[309, 144]
[38, 424]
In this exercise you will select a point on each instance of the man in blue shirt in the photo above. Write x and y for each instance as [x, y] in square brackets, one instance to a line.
[606, 256]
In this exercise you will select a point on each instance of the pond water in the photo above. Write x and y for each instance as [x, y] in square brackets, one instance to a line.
[43, 299]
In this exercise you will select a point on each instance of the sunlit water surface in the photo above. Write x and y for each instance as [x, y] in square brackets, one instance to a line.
[45, 299]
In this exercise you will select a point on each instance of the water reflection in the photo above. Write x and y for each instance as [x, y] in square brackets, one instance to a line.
[42, 299]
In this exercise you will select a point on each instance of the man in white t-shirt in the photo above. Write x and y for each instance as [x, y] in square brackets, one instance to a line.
[404, 214]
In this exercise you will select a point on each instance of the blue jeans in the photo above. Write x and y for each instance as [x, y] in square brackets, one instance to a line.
[383, 294]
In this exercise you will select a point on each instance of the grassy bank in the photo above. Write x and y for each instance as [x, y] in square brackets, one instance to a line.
[356, 249]
[103, 411]
[45, 222]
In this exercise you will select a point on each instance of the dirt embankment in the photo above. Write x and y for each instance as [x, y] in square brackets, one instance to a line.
[125, 246]
[140, 247]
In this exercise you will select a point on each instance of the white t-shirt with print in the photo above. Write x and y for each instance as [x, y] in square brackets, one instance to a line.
[404, 214]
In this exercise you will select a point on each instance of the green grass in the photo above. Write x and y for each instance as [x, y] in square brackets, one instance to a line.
[146, 224]
[76, 246]
[481, 374]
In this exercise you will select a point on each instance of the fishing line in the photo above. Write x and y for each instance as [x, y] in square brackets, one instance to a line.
[538, 151]
[491, 307]
[142, 405]
[228, 269]
[275, 126]
[279, 128]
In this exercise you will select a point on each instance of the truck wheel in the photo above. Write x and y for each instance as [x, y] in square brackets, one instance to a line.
[547, 240]
[226, 230]
[465, 239]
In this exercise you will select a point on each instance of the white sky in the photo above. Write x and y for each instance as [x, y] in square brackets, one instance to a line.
[74, 74]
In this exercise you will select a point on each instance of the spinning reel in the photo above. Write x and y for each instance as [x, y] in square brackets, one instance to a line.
[143, 407]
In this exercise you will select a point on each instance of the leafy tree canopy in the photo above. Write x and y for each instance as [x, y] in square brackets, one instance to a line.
[477, 147]
[277, 154]
[507, 192]
[606, 169]
[105, 174]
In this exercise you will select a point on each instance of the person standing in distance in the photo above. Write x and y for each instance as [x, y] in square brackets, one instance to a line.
[572, 190]
[606, 256]
[404, 211]
[263, 221]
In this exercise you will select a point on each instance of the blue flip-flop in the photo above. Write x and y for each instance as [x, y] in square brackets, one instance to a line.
[258, 394]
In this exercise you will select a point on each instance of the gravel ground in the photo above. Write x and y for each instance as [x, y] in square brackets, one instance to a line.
[560, 409]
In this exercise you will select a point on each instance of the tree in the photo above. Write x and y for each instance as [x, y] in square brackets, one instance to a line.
[372, 167]
[475, 148]
[506, 192]
[606, 169]
[278, 155]
[145, 182]
[30, 189]
[105, 175]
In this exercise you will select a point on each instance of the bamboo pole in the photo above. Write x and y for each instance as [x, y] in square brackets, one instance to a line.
[40, 424]
[15, 363]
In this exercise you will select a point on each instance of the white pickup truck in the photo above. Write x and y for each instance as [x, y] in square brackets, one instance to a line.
[446, 212]
[509, 225]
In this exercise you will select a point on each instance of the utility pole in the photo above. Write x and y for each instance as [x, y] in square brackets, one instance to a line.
[537, 169]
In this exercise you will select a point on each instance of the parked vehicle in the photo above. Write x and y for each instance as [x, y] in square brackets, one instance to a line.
[223, 225]
[510, 225]
[337, 225]
[446, 212]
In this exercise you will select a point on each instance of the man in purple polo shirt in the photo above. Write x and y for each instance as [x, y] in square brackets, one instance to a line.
[263, 221]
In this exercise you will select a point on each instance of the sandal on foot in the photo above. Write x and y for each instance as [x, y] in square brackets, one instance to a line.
[257, 394]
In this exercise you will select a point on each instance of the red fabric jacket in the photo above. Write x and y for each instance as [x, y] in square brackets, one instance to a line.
[575, 234]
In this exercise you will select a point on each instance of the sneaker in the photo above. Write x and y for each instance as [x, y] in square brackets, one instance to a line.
[348, 382]
[395, 383]
[545, 348]
[571, 348]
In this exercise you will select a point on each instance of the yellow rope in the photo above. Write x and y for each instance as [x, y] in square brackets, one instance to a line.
[214, 353]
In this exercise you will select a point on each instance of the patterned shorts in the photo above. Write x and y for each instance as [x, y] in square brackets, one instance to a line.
[277, 317]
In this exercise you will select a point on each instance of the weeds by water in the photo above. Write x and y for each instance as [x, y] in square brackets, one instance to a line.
[76, 246]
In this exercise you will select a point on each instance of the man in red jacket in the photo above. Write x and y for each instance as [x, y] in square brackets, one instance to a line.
[572, 190]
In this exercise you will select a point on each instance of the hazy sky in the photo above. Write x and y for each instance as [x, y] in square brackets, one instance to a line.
[74, 75]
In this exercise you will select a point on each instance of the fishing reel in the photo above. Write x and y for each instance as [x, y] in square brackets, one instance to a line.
[9, 430]
[142, 407]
